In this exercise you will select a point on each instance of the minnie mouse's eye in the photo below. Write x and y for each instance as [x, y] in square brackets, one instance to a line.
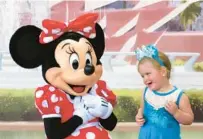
[74, 61]
[88, 59]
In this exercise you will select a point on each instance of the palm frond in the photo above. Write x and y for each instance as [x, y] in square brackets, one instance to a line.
[190, 14]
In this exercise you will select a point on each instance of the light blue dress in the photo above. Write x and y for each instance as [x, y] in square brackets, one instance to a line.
[160, 124]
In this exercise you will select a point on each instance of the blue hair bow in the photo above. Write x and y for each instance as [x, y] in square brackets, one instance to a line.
[148, 51]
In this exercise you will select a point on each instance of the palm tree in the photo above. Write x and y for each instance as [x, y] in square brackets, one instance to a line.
[189, 15]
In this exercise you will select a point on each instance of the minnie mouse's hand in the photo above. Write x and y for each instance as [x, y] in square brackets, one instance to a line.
[81, 110]
[98, 106]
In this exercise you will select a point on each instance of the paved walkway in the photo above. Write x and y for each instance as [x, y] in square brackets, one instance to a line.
[122, 126]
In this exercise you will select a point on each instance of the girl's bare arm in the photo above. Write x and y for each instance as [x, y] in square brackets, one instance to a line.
[184, 115]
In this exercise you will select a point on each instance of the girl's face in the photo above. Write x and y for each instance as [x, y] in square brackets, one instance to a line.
[152, 76]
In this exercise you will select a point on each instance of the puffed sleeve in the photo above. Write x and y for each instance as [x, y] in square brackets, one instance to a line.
[47, 101]
[104, 91]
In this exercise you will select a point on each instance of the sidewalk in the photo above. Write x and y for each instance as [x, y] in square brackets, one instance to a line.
[122, 126]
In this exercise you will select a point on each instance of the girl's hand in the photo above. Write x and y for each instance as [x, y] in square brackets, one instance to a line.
[171, 107]
[139, 118]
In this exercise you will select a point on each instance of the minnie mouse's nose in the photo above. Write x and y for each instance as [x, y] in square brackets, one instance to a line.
[89, 69]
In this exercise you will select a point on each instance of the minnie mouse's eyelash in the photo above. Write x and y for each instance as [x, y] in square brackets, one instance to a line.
[89, 49]
[71, 50]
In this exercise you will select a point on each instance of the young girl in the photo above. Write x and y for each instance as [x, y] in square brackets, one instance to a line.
[163, 106]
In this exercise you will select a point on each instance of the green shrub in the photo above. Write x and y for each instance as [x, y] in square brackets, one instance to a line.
[178, 62]
[16, 108]
[196, 100]
[198, 66]
[126, 109]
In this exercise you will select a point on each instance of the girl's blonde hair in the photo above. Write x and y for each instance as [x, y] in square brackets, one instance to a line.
[165, 60]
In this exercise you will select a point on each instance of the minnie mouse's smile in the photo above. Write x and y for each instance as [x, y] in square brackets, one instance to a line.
[78, 88]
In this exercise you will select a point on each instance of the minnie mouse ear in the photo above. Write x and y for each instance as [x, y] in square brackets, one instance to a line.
[99, 41]
[25, 48]
[99, 62]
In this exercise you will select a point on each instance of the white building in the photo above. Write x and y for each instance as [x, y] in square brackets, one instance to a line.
[14, 14]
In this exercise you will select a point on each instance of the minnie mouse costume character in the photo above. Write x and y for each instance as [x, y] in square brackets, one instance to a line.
[74, 104]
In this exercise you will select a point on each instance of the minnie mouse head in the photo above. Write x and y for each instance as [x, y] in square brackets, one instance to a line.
[68, 53]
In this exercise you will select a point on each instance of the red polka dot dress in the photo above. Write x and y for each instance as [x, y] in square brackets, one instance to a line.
[53, 102]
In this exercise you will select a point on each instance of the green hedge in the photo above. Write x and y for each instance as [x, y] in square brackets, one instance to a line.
[21, 108]
[198, 66]
[18, 108]
[128, 105]
[126, 109]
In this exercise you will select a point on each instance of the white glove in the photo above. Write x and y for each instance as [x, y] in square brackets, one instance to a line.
[81, 110]
[98, 106]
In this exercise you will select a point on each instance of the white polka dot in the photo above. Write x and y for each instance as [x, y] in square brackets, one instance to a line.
[39, 93]
[51, 88]
[45, 30]
[87, 29]
[80, 32]
[60, 33]
[45, 104]
[54, 98]
[90, 135]
[76, 133]
[61, 99]
[56, 31]
[48, 39]
[104, 93]
[92, 35]
[57, 109]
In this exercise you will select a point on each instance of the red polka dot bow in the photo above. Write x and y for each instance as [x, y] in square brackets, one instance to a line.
[84, 25]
